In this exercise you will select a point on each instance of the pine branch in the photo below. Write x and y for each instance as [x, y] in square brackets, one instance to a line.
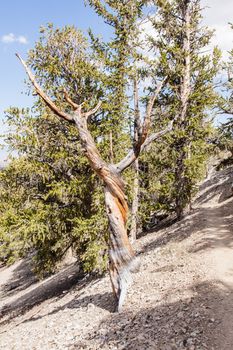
[44, 97]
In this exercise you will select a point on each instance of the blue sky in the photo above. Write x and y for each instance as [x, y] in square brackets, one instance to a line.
[19, 29]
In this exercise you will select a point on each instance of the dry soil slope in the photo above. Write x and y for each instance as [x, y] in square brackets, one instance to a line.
[182, 298]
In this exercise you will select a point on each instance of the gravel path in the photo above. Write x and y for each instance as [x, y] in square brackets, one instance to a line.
[182, 297]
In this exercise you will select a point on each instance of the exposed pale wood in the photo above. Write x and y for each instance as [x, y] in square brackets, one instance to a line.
[185, 86]
[111, 147]
[93, 111]
[132, 155]
[137, 132]
[135, 203]
[182, 121]
[121, 253]
[69, 100]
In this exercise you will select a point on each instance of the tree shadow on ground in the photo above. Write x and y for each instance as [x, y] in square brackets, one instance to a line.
[211, 238]
[171, 230]
[199, 221]
[23, 277]
[104, 301]
[184, 324]
[218, 185]
[55, 286]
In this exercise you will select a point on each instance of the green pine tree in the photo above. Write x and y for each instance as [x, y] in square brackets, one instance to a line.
[59, 205]
[187, 97]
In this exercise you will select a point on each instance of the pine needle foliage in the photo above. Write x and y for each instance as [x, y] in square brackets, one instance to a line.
[178, 163]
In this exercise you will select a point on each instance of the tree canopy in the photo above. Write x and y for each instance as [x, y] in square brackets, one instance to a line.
[97, 106]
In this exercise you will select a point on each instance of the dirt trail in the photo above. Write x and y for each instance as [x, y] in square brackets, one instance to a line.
[182, 298]
[222, 257]
[218, 238]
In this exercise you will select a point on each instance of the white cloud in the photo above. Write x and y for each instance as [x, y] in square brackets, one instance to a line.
[8, 38]
[12, 38]
[22, 39]
[217, 15]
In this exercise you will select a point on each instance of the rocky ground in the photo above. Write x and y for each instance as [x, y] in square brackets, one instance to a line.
[182, 297]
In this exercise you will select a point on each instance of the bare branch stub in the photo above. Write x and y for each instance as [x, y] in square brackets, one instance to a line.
[92, 111]
[70, 101]
[143, 139]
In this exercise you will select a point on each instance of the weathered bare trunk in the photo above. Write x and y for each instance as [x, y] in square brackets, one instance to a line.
[180, 185]
[135, 204]
[121, 254]
[182, 121]
[111, 156]
[137, 131]
[185, 86]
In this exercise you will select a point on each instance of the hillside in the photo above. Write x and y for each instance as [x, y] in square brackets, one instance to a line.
[182, 297]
